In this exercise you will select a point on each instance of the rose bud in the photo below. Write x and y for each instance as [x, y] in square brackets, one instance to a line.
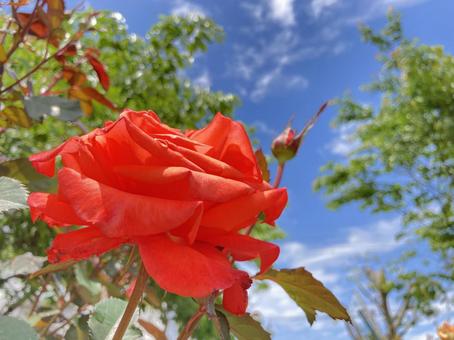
[286, 145]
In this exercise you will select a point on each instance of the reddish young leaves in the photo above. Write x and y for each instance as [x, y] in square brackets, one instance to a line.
[100, 98]
[99, 68]
[55, 12]
[38, 26]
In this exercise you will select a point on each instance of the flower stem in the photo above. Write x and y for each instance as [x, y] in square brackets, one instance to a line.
[280, 172]
[132, 303]
[192, 324]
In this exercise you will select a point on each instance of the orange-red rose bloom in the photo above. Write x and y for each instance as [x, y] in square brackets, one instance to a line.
[182, 198]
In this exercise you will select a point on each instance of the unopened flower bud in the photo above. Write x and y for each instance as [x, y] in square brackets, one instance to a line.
[286, 145]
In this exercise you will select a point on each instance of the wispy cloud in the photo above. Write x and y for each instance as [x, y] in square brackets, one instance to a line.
[360, 241]
[344, 142]
[203, 80]
[282, 11]
[265, 83]
[187, 8]
[264, 63]
[329, 264]
[318, 6]
[264, 128]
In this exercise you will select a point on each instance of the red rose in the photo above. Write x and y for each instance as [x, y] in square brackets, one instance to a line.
[182, 198]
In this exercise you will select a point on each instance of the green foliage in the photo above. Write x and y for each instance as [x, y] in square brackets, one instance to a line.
[12, 328]
[105, 319]
[308, 293]
[185, 310]
[146, 73]
[391, 303]
[264, 231]
[243, 327]
[404, 159]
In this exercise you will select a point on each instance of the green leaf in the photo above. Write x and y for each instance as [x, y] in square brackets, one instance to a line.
[58, 107]
[13, 194]
[224, 327]
[105, 319]
[244, 327]
[308, 293]
[22, 170]
[88, 289]
[79, 329]
[12, 328]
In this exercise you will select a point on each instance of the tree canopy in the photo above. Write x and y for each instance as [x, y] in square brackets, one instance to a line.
[403, 159]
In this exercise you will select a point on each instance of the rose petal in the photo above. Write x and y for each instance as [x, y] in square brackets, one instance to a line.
[195, 271]
[182, 183]
[118, 213]
[81, 244]
[243, 211]
[235, 298]
[230, 144]
[48, 208]
[243, 247]
[44, 162]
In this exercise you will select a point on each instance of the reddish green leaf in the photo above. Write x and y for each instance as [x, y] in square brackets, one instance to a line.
[55, 12]
[13, 115]
[95, 95]
[244, 327]
[100, 71]
[308, 293]
[37, 28]
[263, 164]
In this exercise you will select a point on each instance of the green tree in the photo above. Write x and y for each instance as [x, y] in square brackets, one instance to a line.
[391, 302]
[404, 158]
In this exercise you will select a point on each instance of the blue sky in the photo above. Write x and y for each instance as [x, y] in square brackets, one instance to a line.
[289, 56]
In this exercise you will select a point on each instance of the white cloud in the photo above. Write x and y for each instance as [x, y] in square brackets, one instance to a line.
[266, 82]
[264, 63]
[318, 6]
[376, 8]
[186, 8]
[330, 265]
[282, 11]
[203, 80]
[297, 81]
[344, 143]
[262, 127]
[339, 48]
[377, 237]
[263, 84]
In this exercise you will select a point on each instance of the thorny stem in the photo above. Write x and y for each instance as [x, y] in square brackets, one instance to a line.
[280, 172]
[192, 324]
[132, 303]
